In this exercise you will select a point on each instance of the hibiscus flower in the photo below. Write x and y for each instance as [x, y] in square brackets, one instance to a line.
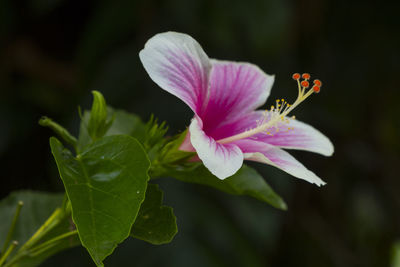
[224, 95]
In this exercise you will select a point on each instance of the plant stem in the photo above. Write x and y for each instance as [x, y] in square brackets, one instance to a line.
[8, 252]
[12, 227]
[61, 131]
[42, 248]
[34, 247]
[48, 225]
[49, 243]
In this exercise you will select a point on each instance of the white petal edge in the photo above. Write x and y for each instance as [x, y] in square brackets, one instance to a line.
[282, 160]
[221, 160]
[177, 63]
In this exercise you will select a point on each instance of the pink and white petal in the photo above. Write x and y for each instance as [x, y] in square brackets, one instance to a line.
[301, 136]
[236, 126]
[178, 64]
[235, 89]
[221, 160]
[281, 159]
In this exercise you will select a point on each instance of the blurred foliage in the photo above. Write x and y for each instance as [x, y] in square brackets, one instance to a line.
[53, 53]
[395, 262]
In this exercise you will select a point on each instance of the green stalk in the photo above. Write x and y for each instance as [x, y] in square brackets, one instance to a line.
[12, 227]
[32, 247]
[50, 243]
[42, 248]
[8, 252]
[61, 131]
[47, 226]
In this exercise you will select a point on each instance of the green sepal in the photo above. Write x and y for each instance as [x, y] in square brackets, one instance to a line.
[170, 157]
[98, 122]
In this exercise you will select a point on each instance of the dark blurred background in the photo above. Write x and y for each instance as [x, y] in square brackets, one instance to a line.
[54, 52]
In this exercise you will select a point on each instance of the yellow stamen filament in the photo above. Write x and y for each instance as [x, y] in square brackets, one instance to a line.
[276, 114]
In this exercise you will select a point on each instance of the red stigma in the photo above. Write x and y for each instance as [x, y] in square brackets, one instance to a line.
[306, 76]
[316, 89]
[296, 76]
[317, 82]
[305, 84]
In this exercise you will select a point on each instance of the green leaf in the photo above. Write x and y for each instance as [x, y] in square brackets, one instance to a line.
[128, 124]
[98, 124]
[122, 123]
[106, 184]
[155, 223]
[245, 182]
[38, 206]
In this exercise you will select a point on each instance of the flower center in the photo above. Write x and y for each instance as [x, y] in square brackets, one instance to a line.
[276, 115]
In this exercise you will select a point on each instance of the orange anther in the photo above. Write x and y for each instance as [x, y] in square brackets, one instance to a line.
[306, 76]
[305, 84]
[316, 89]
[318, 83]
[296, 76]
